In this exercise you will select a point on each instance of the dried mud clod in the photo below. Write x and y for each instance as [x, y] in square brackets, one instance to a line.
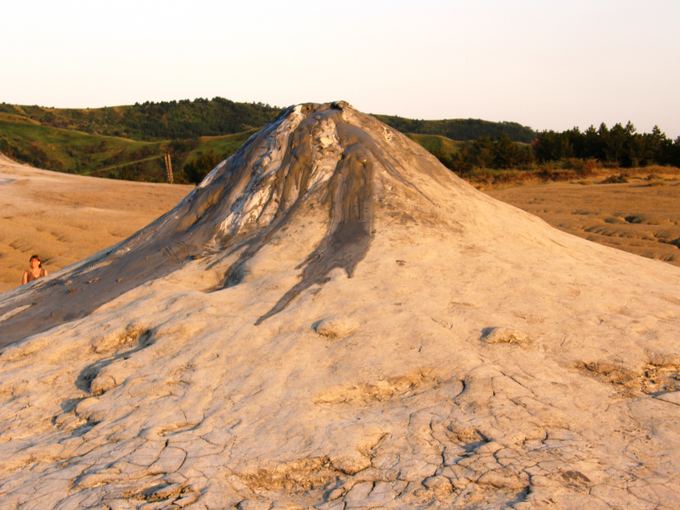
[335, 327]
[293, 477]
[656, 376]
[495, 335]
[576, 479]
[133, 339]
[384, 389]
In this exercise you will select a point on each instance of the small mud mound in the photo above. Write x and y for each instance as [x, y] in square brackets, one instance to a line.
[336, 327]
[615, 179]
[505, 336]
[675, 242]
[295, 477]
[634, 218]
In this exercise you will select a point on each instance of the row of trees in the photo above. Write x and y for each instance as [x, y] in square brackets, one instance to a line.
[616, 146]
[486, 152]
[620, 145]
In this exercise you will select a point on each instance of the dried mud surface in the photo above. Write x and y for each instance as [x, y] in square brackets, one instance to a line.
[333, 320]
[641, 216]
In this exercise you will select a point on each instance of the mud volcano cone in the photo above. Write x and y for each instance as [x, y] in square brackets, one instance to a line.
[332, 319]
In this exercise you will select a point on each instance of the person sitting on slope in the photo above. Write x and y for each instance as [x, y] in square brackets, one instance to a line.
[34, 271]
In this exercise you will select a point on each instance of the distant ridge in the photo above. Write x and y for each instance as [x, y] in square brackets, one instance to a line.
[151, 121]
[460, 129]
[217, 116]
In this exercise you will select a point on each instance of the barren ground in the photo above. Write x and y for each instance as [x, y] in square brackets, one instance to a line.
[641, 216]
[65, 218]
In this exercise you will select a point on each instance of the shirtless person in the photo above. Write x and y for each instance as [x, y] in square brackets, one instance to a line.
[35, 270]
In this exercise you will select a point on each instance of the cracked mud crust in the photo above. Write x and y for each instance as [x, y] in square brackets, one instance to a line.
[333, 320]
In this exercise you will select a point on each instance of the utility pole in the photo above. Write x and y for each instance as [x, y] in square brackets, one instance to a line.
[168, 167]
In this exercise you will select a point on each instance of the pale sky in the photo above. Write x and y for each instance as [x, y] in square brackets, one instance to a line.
[548, 64]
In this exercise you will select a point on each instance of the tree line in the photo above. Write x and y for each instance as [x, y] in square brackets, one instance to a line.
[461, 129]
[618, 146]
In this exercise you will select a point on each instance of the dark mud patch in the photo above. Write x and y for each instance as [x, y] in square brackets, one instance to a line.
[349, 235]
[633, 218]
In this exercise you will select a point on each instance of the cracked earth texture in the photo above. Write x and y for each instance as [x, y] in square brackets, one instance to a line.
[333, 320]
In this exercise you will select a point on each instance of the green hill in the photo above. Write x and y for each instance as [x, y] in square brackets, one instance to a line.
[154, 121]
[72, 151]
[129, 142]
[68, 150]
[461, 129]
[218, 116]
[442, 147]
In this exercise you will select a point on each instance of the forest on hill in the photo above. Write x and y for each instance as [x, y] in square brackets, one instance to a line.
[186, 118]
[461, 129]
[618, 146]
[153, 121]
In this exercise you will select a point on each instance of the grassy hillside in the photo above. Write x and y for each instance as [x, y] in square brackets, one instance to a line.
[154, 121]
[442, 147]
[128, 142]
[218, 116]
[74, 151]
[69, 150]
